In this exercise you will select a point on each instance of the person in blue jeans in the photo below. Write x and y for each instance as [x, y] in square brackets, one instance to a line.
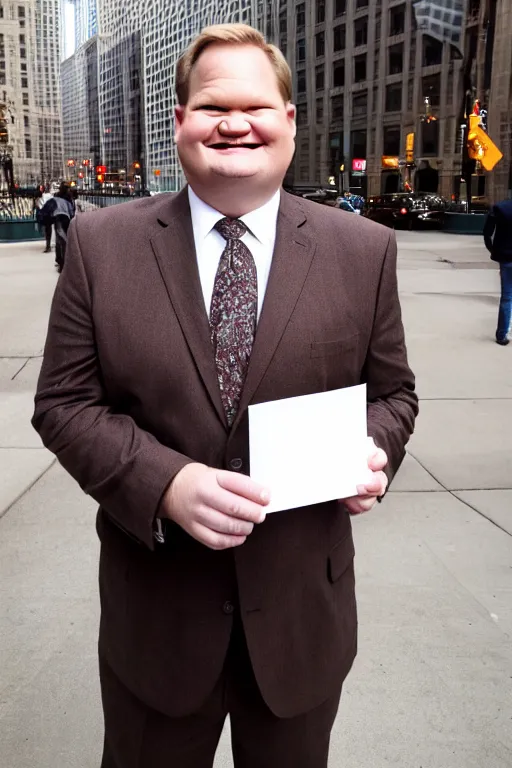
[498, 241]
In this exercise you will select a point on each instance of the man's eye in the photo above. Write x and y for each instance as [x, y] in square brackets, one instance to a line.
[211, 108]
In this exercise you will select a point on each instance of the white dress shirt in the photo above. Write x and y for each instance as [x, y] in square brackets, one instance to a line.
[260, 239]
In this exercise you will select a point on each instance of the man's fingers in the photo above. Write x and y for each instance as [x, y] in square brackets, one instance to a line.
[356, 505]
[214, 540]
[376, 487]
[221, 523]
[242, 485]
[377, 460]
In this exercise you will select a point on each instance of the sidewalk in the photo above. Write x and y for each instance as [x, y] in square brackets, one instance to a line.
[432, 685]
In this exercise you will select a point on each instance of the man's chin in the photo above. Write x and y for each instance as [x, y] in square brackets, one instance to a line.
[233, 172]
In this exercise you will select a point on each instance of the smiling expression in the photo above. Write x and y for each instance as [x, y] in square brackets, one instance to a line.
[235, 125]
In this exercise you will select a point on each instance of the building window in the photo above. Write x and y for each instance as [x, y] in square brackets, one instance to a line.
[26, 121]
[301, 49]
[24, 82]
[358, 144]
[361, 32]
[360, 4]
[28, 148]
[301, 17]
[432, 89]
[339, 38]
[320, 44]
[394, 98]
[377, 31]
[21, 11]
[23, 66]
[301, 82]
[360, 68]
[340, 7]
[319, 78]
[320, 11]
[1, 12]
[319, 110]
[360, 104]
[302, 114]
[430, 138]
[391, 140]
[432, 52]
[22, 39]
[338, 74]
[397, 20]
[337, 109]
[25, 99]
[396, 59]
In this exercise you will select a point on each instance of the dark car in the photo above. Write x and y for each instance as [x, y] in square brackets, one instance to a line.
[407, 210]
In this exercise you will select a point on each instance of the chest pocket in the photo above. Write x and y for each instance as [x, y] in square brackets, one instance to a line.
[334, 348]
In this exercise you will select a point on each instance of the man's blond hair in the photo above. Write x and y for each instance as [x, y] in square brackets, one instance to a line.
[231, 34]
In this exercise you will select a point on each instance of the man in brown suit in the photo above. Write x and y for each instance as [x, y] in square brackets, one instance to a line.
[172, 315]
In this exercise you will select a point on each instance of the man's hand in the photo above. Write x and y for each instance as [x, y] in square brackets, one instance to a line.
[216, 507]
[367, 494]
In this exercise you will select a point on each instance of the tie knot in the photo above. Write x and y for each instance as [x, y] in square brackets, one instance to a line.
[231, 229]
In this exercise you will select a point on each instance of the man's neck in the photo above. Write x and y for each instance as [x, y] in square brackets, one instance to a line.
[223, 202]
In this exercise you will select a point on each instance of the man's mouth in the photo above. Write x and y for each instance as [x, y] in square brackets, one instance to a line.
[232, 145]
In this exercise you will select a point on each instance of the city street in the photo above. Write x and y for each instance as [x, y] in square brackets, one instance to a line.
[432, 685]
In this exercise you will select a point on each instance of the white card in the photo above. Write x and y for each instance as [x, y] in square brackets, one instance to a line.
[311, 448]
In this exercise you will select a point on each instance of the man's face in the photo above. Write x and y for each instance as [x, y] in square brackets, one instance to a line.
[235, 124]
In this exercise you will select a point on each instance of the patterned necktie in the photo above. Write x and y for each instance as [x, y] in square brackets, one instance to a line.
[233, 314]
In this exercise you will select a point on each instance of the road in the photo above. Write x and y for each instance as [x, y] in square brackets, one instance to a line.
[432, 683]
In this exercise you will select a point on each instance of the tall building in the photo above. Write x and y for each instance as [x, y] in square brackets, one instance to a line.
[368, 73]
[30, 87]
[19, 143]
[85, 20]
[80, 110]
[47, 82]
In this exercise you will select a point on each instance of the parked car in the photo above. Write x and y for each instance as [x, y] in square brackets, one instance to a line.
[406, 209]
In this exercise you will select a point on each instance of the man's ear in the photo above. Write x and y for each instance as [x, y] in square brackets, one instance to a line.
[179, 113]
[291, 113]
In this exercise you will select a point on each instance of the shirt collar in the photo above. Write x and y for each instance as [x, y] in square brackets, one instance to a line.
[262, 222]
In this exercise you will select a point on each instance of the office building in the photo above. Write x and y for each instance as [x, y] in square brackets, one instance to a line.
[47, 86]
[19, 142]
[85, 21]
[368, 73]
[80, 112]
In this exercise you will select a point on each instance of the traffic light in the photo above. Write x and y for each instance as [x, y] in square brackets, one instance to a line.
[101, 169]
[480, 146]
[100, 177]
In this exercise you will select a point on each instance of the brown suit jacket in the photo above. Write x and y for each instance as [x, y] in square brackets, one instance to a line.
[128, 395]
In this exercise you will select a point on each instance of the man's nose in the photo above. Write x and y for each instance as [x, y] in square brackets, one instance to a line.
[234, 124]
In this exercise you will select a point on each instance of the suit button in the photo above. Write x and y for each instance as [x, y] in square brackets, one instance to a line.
[236, 464]
[228, 608]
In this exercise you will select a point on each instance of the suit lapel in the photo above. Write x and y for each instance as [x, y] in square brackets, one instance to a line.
[174, 249]
[293, 254]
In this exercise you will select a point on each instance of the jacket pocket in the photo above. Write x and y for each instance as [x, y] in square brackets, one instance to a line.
[331, 348]
[340, 558]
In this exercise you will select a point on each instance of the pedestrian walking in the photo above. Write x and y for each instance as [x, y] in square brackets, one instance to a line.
[173, 315]
[45, 223]
[59, 211]
[498, 241]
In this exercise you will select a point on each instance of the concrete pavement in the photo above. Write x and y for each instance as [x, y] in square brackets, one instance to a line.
[431, 687]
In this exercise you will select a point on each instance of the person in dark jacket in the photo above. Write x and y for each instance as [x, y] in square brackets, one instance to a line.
[60, 209]
[498, 241]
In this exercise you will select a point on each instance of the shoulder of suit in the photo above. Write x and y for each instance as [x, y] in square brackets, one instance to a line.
[123, 214]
